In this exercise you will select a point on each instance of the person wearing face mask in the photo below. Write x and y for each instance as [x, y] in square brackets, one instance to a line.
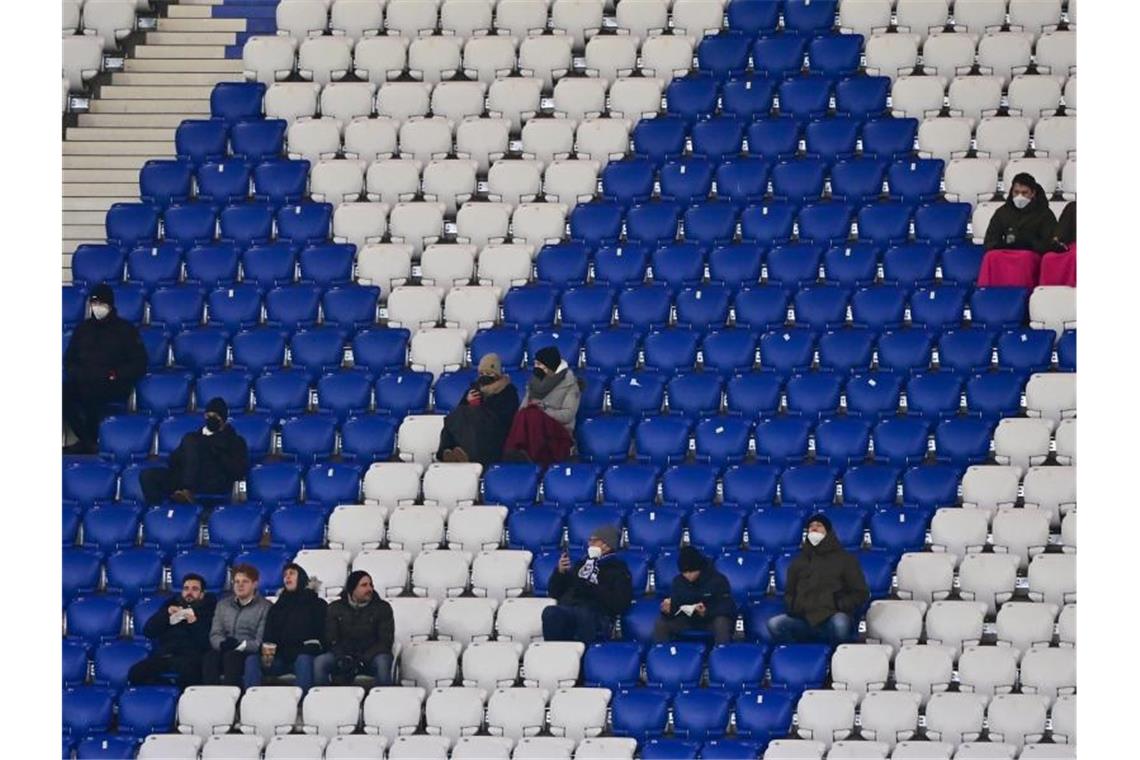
[700, 599]
[1024, 222]
[824, 588]
[237, 631]
[104, 359]
[359, 631]
[180, 630]
[591, 594]
[294, 628]
[543, 429]
[206, 461]
[475, 430]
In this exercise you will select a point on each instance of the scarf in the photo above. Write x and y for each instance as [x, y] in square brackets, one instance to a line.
[495, 387]
[539, 389]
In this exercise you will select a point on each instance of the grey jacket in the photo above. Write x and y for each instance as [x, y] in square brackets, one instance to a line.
[562, 401]
[232, 620]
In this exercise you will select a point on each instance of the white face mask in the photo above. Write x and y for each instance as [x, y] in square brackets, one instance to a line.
[100, 310]
[814, 537]
[593, 552]
[1021, 201]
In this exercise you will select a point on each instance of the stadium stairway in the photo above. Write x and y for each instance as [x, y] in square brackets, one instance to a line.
[166, 78]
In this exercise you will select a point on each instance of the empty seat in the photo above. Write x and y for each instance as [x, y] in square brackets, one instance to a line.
[988, 670]
[1051, 396]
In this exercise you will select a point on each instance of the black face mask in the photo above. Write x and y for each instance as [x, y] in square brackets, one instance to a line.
[485, 380]
[539, 372]
[214, 424]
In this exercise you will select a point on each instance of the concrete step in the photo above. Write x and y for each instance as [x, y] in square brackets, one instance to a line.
[154, 148]
[99, 175]
[191, 38]
[180, 51]
[89, 203]
[83, 231]
[170, 80]
[88, 218]
[104, 162]
[203, 2]
[101, 190]
[133, 92]
[119, 134]
[201, 25]
[133, 119]
[70, 244]
[196, 107]
[201, 65]
[188, 11]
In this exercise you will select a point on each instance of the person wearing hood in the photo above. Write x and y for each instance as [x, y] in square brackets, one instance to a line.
[591, 594]
[824, 588]
[1059, 267]
[359, 631]
[208, 461]
[293, 631]
[1024, 222]
[543, 429]
[180, 630]
[700, 599]
[104, 359]
[237, 631]
[476, 429]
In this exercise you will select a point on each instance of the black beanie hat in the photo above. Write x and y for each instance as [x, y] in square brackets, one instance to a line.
[218, 406]
[549, 357]
[302, 576]
[103, 294]
[690, 559]
[354, 579]
[821, 518]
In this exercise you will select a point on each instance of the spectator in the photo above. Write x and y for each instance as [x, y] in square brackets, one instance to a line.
[1059, 266]
[591, 594]
[700, 599]
[293, 631]
[359, 630]
[543, 429]
[1024, 222]
[238, 630]
[825, 586]
[181, 633]
[476, 429]
[1066, 233]
[104, 359]
[209, 461]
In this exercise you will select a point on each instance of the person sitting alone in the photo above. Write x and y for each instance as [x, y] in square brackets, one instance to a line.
[1024, 222]
[293, 632]
[206, 461]
[543, 428]
[824, 588]
[180, 630]
[476, 429]
[700, 599]
[591, 594]
[359, 631]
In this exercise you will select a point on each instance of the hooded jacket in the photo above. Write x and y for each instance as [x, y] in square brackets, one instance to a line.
[604, 584]
[222, 459]
[106, 350]
[711, 587]
[296, 617]
[560, 402]
[183, 638]
[824, 579]
[1067, 224]
[242, 622]
[362, 632]
[1033, 226]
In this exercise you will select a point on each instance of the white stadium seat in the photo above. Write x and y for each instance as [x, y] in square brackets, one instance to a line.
[433, 59]
[989, 578]
[923, 17]
[392, 484]
[489, 665]
[295, 747]
[505, 265]
[233, 747]
[451, 181]
[923, 750]
[411, 18]
[971, 180]
[439, 573]
[1025, 625]
[987, 670]
[205, 710]
[332, 710]
[924, 668]
[292, 100]
[859, 750]
[606, 748]
[482, 223]
[302, 19]
[393, 710]
[975, 96]
[549, 139]
[515, 99]
[1002, 137]
[537, 224]
[418, 223]
[517, 712]
[552, 665]
[1034, 15]
[1065, 439]
[1064, 715]
[985, 751]
[697, 18]
[1052, 490]
[1032, 96]
[570, 182]
[484, 140]
[955, 717]
[667, 57]
[356, 527]
[414, 617]
[346, 101]
[521, 18]
[825, 715]
[414, 529]
[514, 181]
[485, 58]
[579, 97]
[642, 18]
[543, 748]
[357, 19]
[389, 568]
[325, 59]
[1051, 396]
[891, 55]
[379, 59]
[500, 574]
[979, 15]
[989, 487]
[469, 308]
[454, 711]
[170, 747]
[82, 60]
[917, 96]
[1056, 136]
[955, 624]
[795, 749]
[328, 567]
[1022, 443]
[889, 716]
[465, 620]
[1057, 50]
[446, 265]
[71, 16]
[860, 668]
[1020, 532]
[944, 138]
[635, 97]
[611, 57]
[450, 485]
[418, 307]
[474, 529]
[402, 100]
[371, 140]
[521, 619]
[923, 577]
[1069, 179]
[1069, 532]
[361, 224]
[1052, 578]
[419, 748]
[424, 138]
[578, 19]
[1004, 54]
[457, 101]
[578, 713]
[392, 180]
[466, 18]
[337, 180]
[429, 664]
[865, 16]
[980, 221]
[356, 746]
[269, 58]
[546, 58]
[482, 748]
[109, 21]
[895, 622]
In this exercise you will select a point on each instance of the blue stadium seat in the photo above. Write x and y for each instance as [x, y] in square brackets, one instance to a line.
[317, 351]
[308, 437]
[176, 309]
[87, 709]
[644, 307]
[612, 350]
[1066, 351]
[654, 529]
[258, 140]
[74, 663]
[639, 713]
[687, 180]
[282, 393]
[737, 666]
[742, 180]
[596, 223]
[728, 350]
[570, 485]
[223, 182]
[901, 440]
[628, 181]
[934, 485]
[835, 55]
[1024, 351]
[129, 488]
[543, 566]
[402, 392]
[934, 394]
[675, 665]
[938, 308]
[964, 442]
[808, 485]
[259, 349]
[381, 348]
[268, 265]
[200, 350]
[134, 572]
[587, 308]
[297, 527]
[88, 482]
[765, 714]
[582, 521]
[847, 350]
[833, 138]
[910, 265]
[246, 224]
[270, 563]
[754, 394]
[74, 305]
[794, 265]
[992, 396]
[351, 307]
[293, 306]
[107, 527]
[769, 224]
[879, 307]
[878, 570]
[747, 573]
[870, 485]
[231, 102]
[620, 264]
[796, 667]
[727, 749]
[701, 714]
[718, 137]
[451, 388]
[70, 517]
[612, 665]
[694, 394]
[638, 562]
[873, 394]
[858, 180]
[799, 180]
[368, 438]
[864, 97]
[753, 17]
[787, 350]
[132, 224]
[961, 263]
[530, 307]
[775, 529]
[691, 97]
[814, 394]
[942, 223]
[605, 439]
[274, 482]
[966, 350]
[280, 182]
[820, 307]
[208, 563]
[305, 223]
[157, 347]
[735, 264]
[660, 139]
[999, 307]
[805, 97]
[771, 138]
[782, 440]
[91, 619]
[678, 265]
[689, 485]
[640, 393]
[171, 527]
[130, 301]
[94, 263]
[884, 223]
[147, 710]
[669, 749]
[842, 441]
[915, 179]
[630, 485]
[724, 54]
[236, 527]
[779, 56]
[81, 570]
[761, 307]
[757, 615]
[257, 430]
[327, 264]
[889, 137]
[653, 223]
[905, 350]
[200, 140]
[722, 440]
[828, 223]
[154, 266]
[126, 438]
[234, 307]
[562, 265]
[899, 530]
[671, 350]
[717, 529]
[113, 660]
[345, 393]
[535, 528]
[710, 223]
[814, 17]
[512, 485]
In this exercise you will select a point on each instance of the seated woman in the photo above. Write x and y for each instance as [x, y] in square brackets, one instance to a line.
[1018, 233]
[1059, 267]
[475, 430]
[543, 429]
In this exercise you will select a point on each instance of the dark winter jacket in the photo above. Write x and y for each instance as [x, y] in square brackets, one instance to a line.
[362, 632]
[182, 638]
[711, 587]
[221, 460]
[1032, 226]
[295, 618]
[1067, 224]
[106, 350]
[604, 584]
[823, 580]
[481, 429]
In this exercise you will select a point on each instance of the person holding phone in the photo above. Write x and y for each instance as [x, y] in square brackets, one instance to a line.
[474, 431]
[700, 599]
[591, 593]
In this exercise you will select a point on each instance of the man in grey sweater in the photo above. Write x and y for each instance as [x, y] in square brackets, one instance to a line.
[237, 630]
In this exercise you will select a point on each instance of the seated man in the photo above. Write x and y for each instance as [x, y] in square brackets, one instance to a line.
[475, 430]
[543, 430]
[180, 631]
[1024, 222]
[824, 588]
[237, 631]
[700, 599]
[591, 594]
[209, 461]
[104, 359]
[293, 631]
[359, 631]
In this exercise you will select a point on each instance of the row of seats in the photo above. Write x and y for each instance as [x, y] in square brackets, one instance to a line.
[932, 17]
[975, 96]
[999, 138]
[110, 21]
[998, 53]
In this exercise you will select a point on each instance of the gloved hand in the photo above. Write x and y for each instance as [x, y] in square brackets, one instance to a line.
[228, 643]
[346, 668]
[311, 646]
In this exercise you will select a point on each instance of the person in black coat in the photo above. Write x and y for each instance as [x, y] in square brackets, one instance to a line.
[104, 359]
[181, 632]
[476, 429]
[590, 594]
[1066, 233]
[294, 629]
[825, 587]
[699, 599]
[359, 632]
[1024, 222]
[209, 461]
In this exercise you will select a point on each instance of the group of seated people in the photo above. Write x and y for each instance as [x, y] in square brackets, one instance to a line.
[1026, 245]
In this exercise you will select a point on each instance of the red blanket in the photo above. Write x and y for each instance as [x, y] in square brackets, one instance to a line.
[1060, 268]
[1018, 269]
[542, 437]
